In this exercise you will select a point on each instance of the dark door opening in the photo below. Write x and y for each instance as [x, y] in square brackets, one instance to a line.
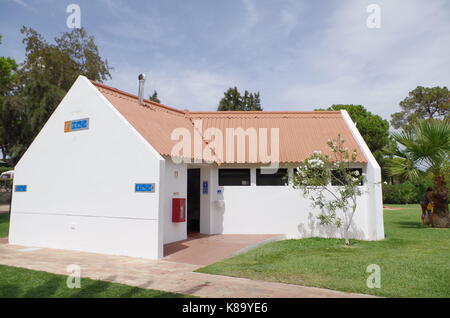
[193, 201]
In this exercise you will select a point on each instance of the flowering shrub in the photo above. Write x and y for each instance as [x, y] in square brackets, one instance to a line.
[331, 184]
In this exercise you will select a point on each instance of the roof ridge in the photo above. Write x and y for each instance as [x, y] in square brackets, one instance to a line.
[234, 112]
[118, 91]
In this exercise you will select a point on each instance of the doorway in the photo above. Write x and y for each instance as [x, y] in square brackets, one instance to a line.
[193, 201]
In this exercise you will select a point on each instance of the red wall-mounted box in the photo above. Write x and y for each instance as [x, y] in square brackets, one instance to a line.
[178, 210]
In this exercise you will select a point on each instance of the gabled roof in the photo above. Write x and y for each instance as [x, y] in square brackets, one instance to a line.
[300, 133]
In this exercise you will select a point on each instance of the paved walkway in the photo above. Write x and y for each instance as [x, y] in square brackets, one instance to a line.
[4, 208]
[202, 249]
[152, 274]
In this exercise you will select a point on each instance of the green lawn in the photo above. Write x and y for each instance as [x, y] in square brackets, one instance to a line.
[4, 224]
[20, 282]
[414, 260]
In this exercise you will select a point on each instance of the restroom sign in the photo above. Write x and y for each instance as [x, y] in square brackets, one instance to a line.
[205, 187]
[75, 125]
[20, 188]
[144, 187]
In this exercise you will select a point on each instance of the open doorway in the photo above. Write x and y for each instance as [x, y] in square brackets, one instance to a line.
[193, 201]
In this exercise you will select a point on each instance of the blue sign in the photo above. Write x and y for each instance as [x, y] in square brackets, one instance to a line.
[20, 188]
[75, 125]
[205, 187]
[144, 187]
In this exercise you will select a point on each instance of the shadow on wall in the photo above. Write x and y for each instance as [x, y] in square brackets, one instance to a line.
[314, 229]
[219, 212]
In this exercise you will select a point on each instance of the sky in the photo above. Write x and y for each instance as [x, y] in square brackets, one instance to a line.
[300, 55]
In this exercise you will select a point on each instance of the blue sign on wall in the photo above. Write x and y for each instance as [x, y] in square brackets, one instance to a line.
[144, 187]
[20, 188]
[205, 187]
[75, 125]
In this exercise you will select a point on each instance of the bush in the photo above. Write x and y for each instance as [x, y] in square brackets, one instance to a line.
[4, 169]
[404, 193]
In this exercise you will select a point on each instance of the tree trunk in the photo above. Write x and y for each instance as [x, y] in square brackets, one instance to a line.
[441, 216]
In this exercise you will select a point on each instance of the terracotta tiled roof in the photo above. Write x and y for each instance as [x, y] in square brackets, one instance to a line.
[300, 133]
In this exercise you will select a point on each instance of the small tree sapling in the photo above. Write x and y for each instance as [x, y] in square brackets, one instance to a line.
[331, 184]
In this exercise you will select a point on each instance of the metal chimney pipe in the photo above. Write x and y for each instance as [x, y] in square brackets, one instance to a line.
[141, 79]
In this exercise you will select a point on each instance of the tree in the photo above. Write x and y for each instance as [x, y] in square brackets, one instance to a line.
[154, 97]
[422, 103]
[315, 177]
[234, 101]
[373, 128]
[8, 72]
[43, 79]
[8, 68]
[426, 149]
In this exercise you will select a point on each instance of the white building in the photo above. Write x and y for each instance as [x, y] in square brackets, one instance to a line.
[99, 177]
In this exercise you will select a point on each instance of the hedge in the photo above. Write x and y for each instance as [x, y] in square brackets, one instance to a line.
[404, 193]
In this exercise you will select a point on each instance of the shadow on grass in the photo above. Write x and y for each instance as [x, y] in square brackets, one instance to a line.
[56, 287]
[412, 225]
[9, 291]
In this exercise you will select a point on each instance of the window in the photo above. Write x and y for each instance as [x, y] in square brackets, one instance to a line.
[335, 173]
[234, 177]
[278, 178]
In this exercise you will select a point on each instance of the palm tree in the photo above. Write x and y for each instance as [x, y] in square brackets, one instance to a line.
[426, 149]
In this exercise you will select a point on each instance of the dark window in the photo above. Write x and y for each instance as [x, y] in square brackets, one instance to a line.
[234, 177]
[278, 178]
[338, 179]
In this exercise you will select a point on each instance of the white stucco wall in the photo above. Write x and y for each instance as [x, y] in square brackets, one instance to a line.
[175, 187]
[283, 210]
[81, 184]
[276, 210]
[374, 203]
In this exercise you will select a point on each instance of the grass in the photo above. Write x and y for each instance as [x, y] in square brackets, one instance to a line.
[20, 282]
[4, 224]
[414, 260]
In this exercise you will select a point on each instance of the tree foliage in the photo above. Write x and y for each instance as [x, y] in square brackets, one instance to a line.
[154, 97]
[422, 103]
[373, 128]
[426, 149]
[38, 85]
[234, 101]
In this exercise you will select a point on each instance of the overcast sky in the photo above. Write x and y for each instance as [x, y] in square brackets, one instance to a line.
[300, 55]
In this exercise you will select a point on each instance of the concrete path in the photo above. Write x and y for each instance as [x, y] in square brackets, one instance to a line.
[152, 274]
[4, 208]
[202, 249]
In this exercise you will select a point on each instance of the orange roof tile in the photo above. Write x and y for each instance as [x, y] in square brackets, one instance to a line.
[300, 133]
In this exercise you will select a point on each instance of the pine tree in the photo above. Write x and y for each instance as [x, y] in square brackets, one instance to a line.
[154, 97]
[234, 101]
